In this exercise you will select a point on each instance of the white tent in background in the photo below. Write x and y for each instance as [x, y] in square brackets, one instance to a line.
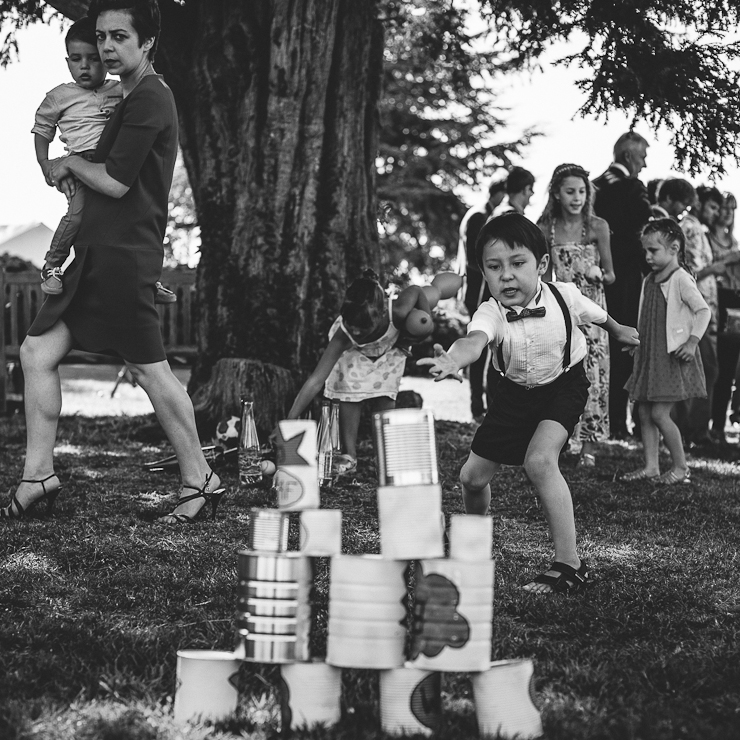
[27, 241]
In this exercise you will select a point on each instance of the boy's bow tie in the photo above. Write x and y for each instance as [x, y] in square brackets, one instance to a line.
[535, 313]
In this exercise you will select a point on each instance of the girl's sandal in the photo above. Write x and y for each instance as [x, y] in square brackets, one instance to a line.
[568, 581]
[672, 478]
[344, 465]
[636, 475]
[586, 460]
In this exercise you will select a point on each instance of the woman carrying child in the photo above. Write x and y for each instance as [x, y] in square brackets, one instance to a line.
[538, 352]
[580, 253]
[673, 318]
[362, 361]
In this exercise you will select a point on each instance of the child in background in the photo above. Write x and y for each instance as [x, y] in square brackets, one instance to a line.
[673, 318]
[580, 253]
[542, 387]
[80, 110]
[362, 361]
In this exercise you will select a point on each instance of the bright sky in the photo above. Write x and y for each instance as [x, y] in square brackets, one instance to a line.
[545, 100]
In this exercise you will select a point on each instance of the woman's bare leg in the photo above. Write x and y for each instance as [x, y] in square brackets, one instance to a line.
[40, 358]
[174, 409]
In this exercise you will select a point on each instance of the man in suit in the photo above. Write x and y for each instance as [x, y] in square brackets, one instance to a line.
[622, 201]
[476, 290]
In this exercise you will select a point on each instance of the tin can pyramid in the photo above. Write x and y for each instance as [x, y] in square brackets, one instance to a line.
[411, 634]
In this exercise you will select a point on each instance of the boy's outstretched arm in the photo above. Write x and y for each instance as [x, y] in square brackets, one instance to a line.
[461, 354]
[624, 334]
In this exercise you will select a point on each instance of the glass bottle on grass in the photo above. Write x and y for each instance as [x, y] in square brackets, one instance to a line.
[336, 446]
[324, 445]
[250, 458]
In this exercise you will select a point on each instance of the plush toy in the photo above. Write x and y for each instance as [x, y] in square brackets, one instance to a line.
[445, 285]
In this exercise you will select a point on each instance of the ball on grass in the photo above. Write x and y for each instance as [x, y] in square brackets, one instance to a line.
[228, 431]
[268, 468]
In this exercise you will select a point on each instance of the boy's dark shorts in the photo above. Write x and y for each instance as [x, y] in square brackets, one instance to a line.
[515, 412]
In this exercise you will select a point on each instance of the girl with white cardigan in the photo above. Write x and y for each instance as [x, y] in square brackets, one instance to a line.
[667, 368]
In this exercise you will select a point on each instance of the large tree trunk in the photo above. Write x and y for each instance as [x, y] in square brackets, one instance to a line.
[277, 102]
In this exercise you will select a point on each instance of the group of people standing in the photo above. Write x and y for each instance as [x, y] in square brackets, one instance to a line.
[594, 232]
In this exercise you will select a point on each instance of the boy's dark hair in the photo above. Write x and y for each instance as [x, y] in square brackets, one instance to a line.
[709, 192]
[145, 18]
[363, 302]
[518, 179]
[671, 231]
[678, 190]
[81, 30]
[514, 230]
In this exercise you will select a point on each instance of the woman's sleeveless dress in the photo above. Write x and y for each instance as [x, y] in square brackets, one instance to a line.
[371, 370]
[571, 262]
[656, 375]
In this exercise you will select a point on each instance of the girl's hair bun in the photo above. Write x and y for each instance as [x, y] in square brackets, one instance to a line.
[369, 274]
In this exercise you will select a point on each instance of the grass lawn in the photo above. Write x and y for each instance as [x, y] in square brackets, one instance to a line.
[97, 599]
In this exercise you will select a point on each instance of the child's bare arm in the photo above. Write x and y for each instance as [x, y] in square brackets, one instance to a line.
[624, 334]
[603, 243]
[41, 145]
[461, 354]
[315, 381]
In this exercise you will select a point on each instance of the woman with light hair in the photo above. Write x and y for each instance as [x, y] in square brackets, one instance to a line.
[580, 253]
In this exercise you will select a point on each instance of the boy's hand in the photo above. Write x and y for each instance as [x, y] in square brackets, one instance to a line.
[686, 352]
[441, 366]
[626, 335]
[46, 170]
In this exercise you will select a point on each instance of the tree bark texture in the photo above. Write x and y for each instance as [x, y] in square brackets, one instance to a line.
[278, 110]
[233, 379]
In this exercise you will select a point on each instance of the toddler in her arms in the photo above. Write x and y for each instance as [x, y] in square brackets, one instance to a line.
[80, 110]
[541, 388]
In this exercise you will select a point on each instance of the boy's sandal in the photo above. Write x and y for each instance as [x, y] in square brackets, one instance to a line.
[569, 580]
[672, 478]
[640, 474]
[586, 460]
[344, 465]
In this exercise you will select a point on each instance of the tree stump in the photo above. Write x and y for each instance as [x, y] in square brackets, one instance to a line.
[272, 389]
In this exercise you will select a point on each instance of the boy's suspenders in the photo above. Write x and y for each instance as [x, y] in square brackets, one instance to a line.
[568, 334]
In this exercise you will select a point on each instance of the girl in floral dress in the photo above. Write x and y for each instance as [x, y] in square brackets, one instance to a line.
[580, 253]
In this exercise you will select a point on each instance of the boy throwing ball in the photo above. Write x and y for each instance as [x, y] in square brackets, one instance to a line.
[541, 389]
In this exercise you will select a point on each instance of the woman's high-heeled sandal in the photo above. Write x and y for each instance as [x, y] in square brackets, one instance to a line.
[49, 495]
[213, 496]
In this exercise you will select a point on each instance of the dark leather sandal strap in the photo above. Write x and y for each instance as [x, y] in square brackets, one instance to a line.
[580, 575]
[42, 481]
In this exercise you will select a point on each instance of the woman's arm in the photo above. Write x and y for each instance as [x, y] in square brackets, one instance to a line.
[338, 344]
[92, 174]
[600, 230]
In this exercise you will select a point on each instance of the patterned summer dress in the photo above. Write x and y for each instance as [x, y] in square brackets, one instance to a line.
[371, 370]
[658, 376]
[571, 262]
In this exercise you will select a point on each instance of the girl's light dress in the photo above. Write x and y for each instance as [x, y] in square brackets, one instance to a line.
[571, 262]
[656, 375]
[371, 370]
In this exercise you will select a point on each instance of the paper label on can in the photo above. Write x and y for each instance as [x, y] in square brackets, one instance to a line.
[297, 488]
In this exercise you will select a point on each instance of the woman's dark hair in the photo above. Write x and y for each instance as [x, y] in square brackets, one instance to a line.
[364, 302]
[514, 230]
[145, 18]
[81, 30]
[671, 231]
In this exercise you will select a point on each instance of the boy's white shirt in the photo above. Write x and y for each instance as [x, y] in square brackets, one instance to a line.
[533, 347]
[78, 113]
[683, 302]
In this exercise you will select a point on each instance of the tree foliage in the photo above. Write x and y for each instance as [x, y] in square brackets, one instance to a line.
[668, 63]
[439, 127]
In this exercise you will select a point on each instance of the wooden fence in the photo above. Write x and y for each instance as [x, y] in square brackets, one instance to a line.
[21, 298]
